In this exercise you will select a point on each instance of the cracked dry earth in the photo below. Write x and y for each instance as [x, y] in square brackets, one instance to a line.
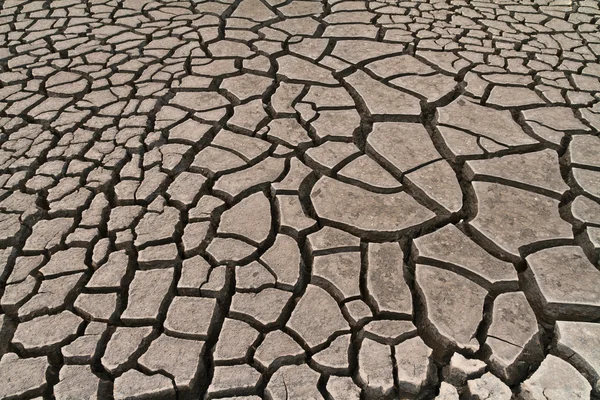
[290, 199]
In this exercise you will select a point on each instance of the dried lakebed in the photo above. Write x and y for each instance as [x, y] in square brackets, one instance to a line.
[293, 199]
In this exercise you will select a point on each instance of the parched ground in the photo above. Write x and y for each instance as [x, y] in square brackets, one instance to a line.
[293, 199]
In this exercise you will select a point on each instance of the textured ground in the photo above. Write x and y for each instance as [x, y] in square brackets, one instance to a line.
[300, 199]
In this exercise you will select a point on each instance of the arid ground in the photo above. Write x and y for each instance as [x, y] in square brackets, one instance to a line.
[300, 199]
